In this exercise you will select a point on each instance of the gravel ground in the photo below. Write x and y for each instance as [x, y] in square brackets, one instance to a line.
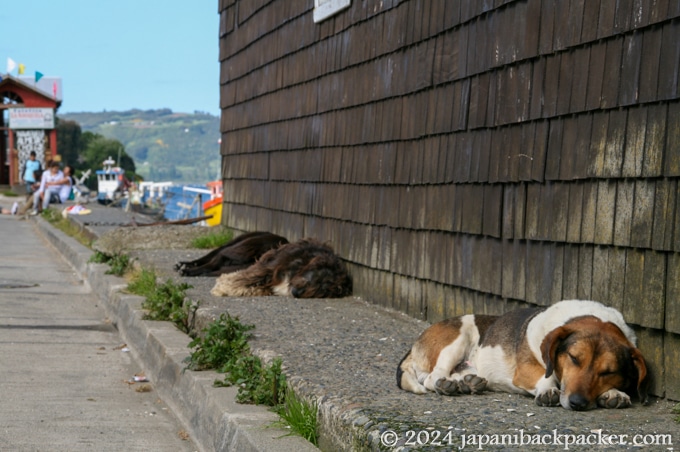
[344, 353]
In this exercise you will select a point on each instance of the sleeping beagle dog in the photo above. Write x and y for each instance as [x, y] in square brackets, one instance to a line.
[578, 354]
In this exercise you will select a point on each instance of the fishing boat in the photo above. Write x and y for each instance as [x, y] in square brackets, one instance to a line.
[214, 205]
[110, 182]
[189, 199]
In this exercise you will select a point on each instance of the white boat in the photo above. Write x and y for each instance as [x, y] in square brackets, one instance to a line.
[110, 182]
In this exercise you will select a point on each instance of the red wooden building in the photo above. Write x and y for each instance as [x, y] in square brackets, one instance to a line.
[26, 124]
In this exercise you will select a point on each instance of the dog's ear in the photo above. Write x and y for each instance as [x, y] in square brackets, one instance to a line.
[549, 347]
[642, 381]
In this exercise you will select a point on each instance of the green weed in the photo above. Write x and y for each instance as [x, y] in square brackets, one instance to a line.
[143, 283]
[119, 264]
[213, 239]
[99, 258]
[224, 347]
[300, 416]
[223, 341]
[164, 301]
[676, 410]
[258, 383]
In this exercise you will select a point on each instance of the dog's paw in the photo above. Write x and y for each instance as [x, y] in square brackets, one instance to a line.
[447, 387]
[551, 397]
[613, 399]
[472, 384]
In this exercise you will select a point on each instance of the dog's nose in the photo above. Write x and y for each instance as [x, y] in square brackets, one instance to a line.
[295, 292]
[577, 402]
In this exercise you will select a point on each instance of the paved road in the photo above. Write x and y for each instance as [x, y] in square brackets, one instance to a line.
[63, 382]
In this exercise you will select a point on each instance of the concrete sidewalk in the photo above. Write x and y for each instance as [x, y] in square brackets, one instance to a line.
[342, 353]
[64, 372]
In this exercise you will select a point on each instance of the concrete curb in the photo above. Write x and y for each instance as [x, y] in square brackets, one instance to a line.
[211, 416]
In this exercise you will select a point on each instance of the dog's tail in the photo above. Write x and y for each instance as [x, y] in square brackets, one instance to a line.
[406, 378]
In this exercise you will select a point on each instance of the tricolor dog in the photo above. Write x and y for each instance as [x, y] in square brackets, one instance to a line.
[303, 269]
[578, 354]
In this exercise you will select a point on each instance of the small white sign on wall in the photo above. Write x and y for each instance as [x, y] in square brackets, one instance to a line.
[323, 9]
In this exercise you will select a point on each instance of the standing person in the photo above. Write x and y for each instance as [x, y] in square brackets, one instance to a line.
[28, 172]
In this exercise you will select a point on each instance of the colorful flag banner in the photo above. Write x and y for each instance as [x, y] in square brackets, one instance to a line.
[38, 76]
[22, 68]
[11, 65]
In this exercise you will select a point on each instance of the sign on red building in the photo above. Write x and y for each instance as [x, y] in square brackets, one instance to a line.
[31, 118]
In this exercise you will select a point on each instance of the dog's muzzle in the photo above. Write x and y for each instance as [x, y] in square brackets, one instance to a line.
[578, 403]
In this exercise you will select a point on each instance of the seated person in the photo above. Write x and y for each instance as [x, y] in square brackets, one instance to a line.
[55, 187]
[66, 184]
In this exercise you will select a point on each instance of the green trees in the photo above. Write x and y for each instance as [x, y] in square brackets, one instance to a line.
[87, 150]
[97, 148]
[69, 145]
[181, 147]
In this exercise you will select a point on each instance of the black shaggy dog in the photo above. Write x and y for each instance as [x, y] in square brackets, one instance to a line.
[237, 254]
[304, 269]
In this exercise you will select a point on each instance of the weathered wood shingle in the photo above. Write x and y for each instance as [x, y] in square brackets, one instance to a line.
[466, 156]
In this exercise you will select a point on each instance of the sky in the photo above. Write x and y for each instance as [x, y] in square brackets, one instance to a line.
[118, 55]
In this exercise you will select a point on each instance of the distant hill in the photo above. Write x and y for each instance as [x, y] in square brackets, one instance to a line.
[181, 147]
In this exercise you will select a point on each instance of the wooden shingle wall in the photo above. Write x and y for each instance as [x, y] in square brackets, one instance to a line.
[467, 156]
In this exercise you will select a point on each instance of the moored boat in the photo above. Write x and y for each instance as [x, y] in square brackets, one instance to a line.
[111, 182]
[214, 205]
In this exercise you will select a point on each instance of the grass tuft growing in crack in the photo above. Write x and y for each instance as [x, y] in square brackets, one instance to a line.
[258, 383]
[300, 416]
[222, 343]
[164, 301]
[119, 264]
[213, 239]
